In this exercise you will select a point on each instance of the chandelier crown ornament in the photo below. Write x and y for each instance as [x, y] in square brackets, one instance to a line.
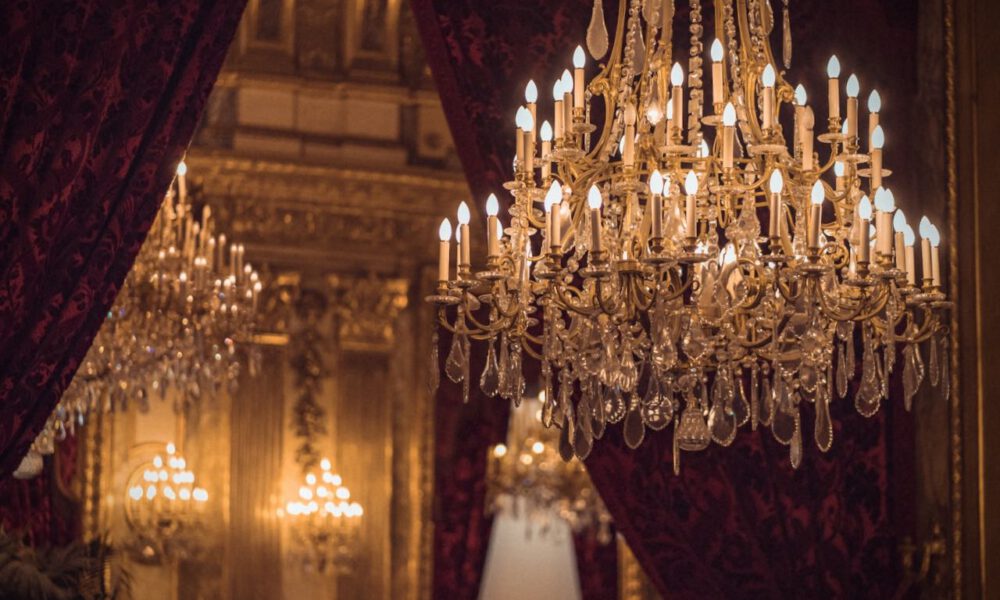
[720, 270]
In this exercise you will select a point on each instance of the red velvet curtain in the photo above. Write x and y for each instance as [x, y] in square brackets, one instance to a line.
[597, 565]
[98, 99]
[738, 522]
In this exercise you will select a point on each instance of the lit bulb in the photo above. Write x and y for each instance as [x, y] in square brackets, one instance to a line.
[935, 236]
[553, 196]
[777, 182]
[463, 213]
[654, 114]
[908, 237]
[853, 87]
[444, 231]
[676, 75]
[545, 132]
[325, 464]
[899, 221]
[135, 493]
[843, 130]
[890, 199]
[499, 231]
[519, 117]
[621, 146]
[557, 91]
[579, 58]
[878, 138]
[865, 208]
[670, 110]
[838, 168]
[529, 122]
[691, 184]
[311, 479]
[531, 92]
[171, 448]
[716, 51]
[883, 201]
[567, 82]
[594, 199]
[492, 205]
[703, 149]
[925, 228]
[817, 195]
[656, 183]
[800, 95]
[874, 102]
[537, 447]
[729, 115]
[768, 77]
[833, 67]
[182, 168]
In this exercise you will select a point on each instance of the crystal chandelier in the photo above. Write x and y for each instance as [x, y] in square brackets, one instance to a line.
[164, 508]
[187, 303]
[325, 522]
[665, 265]
[527, 474]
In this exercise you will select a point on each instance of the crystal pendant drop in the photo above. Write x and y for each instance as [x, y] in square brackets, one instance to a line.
[634, 430]
[597, 32]
[841, 370]
[454, 364]
[653, 413]
[489, 381]
[933, 364]
[598, 411]
[766, 404]
[583, 441]
[615, 406]
[785, 412]
[741, 408]
[945, 369]
[566, 436]
[824, 426]
[795, 452]
[754, 398]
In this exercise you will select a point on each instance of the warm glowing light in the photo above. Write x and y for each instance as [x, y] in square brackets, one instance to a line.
[553, 196]
[557, 91]
[500, 450]
[800, 95]
[579, 58]
[817, 195]
[654, 114]
[492, 205]
[767, 78]
[656, 183]
[171, 448]
[676, 75]
[135, 493]
[463, 213]
[545, 132]
[531, 92]
[884, 201]
[325, 464]
[865, 208]
[878, 138]
[182, 168]
[529, 122]
[519, 117]
[716, 51]
[200, 495]
[777, 182]
[691, 184]
[874, 102]
[935, 236]
[838, 168]
[853, 87]
[670, 110]
[444, 231]
[729, 115]
[567, 82]
[537, 447]
[594, 199]
[925, 227]
[908, 236]
[311, 479]
[899, 221]
[833, 67]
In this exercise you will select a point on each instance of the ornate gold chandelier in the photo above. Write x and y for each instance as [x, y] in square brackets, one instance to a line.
[187, 303]
[697, 269]
[325, 522]
[527, 476]
[164, 508]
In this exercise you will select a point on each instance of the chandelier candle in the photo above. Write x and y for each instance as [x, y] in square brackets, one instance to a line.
[718, 98]
[519, 122]
[492, 241]
[529, 144]
[935, 257]
[853, 88]
[833, 89]
[874, 106]
[911, 267]
[531, 99]
[652, 298]
[465, 258]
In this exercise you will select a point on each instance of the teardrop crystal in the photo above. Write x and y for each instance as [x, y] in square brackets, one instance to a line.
[489, 381]
[824, 426]
[454, 365]
[597, 32]
[634, 430]
[933, 364]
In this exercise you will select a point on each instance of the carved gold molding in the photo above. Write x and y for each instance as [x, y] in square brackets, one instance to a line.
[366, 309]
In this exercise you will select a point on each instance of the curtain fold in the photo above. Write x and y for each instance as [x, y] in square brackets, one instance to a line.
[597, 565]
[98, 100]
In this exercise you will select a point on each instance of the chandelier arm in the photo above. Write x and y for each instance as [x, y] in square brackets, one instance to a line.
[599, 296]
[567, 302]
[923, 331]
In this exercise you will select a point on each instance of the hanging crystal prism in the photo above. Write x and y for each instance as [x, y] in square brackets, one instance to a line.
[597, 32]
[489, 381]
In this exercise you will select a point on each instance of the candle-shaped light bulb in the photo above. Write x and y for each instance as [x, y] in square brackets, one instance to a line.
[492, 206]
[691, 183]
[925, 228]
[853, 86]
[878, 138]
[833, 87]
[579, 60]
[777, 182]
[654, 114]
[899, 226]
[874, 102]
[553, 198]
[557, 109]
[717, 51]
[567, 82]
[594, 201]
[444, 231]
[531, 92]
[182, 168]
[676, 75]
[865, 209]
[717, 74]
[767, 79]
[557, 91]
[884, 204]
[800, 95]
[519, 121]
[818, 194]
[838, 169]
[864, 231]
[545, 132]
[463, 232]
[926, 232]
[934, 236]
[703, 150]
[909, 238]
[909, 263]
[899, 221]
[676, 112]
[656, 183]
[729, 115]
[528, 122]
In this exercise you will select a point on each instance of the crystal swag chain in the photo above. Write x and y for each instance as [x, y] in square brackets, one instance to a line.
[700, 270]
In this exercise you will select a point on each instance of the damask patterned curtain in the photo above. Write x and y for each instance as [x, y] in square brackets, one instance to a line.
[98, 99]
[738, 521]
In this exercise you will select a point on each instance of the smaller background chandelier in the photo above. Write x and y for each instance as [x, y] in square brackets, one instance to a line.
[164, 507]
[527, 474]
[187, 303]
[324, 522]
